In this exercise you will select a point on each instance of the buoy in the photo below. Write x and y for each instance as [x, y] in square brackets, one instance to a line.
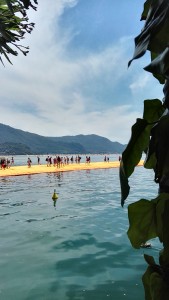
[55, 196]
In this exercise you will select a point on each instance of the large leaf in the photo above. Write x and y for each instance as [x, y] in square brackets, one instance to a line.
[146, 282]
[142, 222]
[159, 77]
[162, 213]
[160, 65]
[166, 93]
[125, 188]
[156, 288]
[151, 158]
[161, 137]
[161, 201]
[159, 150]
[159, 288]
[131, 156]
[166, 232]
[138, 143]
[154, 36]
[153, 110]
[146, 9]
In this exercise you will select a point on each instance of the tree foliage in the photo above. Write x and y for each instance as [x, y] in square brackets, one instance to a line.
[150, 218]
[14, 24]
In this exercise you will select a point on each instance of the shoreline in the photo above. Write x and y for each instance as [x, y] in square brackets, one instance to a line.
[40, 169]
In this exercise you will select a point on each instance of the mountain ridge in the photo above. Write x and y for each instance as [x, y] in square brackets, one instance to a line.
[16, 141]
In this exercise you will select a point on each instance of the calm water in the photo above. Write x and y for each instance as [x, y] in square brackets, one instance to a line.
[77, 250]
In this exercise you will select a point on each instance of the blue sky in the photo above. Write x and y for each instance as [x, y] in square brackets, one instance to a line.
[75, 78]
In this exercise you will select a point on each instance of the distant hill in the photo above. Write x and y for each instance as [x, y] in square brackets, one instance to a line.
[16, 141]
[93, 143]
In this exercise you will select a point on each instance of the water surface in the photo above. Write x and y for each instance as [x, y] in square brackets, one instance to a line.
[77, 250]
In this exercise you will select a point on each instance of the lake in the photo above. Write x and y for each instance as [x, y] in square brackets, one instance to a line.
[78, 249]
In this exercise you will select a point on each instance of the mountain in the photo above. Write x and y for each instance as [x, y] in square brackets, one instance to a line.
[16, 141]
[37, 144]
[93, 143]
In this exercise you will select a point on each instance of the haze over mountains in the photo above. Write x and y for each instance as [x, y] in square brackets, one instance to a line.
[17, 142]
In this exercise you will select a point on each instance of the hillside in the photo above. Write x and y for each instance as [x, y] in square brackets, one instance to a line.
[16, 141]
[93, 143]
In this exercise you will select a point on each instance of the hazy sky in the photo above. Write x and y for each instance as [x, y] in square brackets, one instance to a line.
[75, 78]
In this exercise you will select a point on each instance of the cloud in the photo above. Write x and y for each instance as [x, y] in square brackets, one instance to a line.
[141, 82]
[112, 123]
[53, 92]
[145, 86]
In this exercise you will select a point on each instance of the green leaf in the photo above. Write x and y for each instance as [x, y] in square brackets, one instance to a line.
[149, 259]
[12, 27]
[156, 288]
[160, 78]
[150, 160]
[141, 46]
[125, 188]
[162, 213]
[26, 3]
[160, 65]
[6, 56]
[10, 6]
[142, 222]
[159, 288]
[153, 110]
[160, 208]
[146, 283]
[166, 93]
[131, 156]
[166, 232]
[146, 9]
[160, 134]
[159, 152]
[154, 35]
[138, 143]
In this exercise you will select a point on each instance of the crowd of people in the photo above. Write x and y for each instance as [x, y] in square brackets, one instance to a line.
[5, 163]
[57, 161]
[60, 161]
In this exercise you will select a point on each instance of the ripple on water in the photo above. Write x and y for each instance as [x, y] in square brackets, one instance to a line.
[75, 250]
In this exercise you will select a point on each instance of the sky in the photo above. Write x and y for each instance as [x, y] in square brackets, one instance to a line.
[75, 79]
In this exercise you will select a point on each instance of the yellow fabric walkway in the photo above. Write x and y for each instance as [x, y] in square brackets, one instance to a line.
[38, 169]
